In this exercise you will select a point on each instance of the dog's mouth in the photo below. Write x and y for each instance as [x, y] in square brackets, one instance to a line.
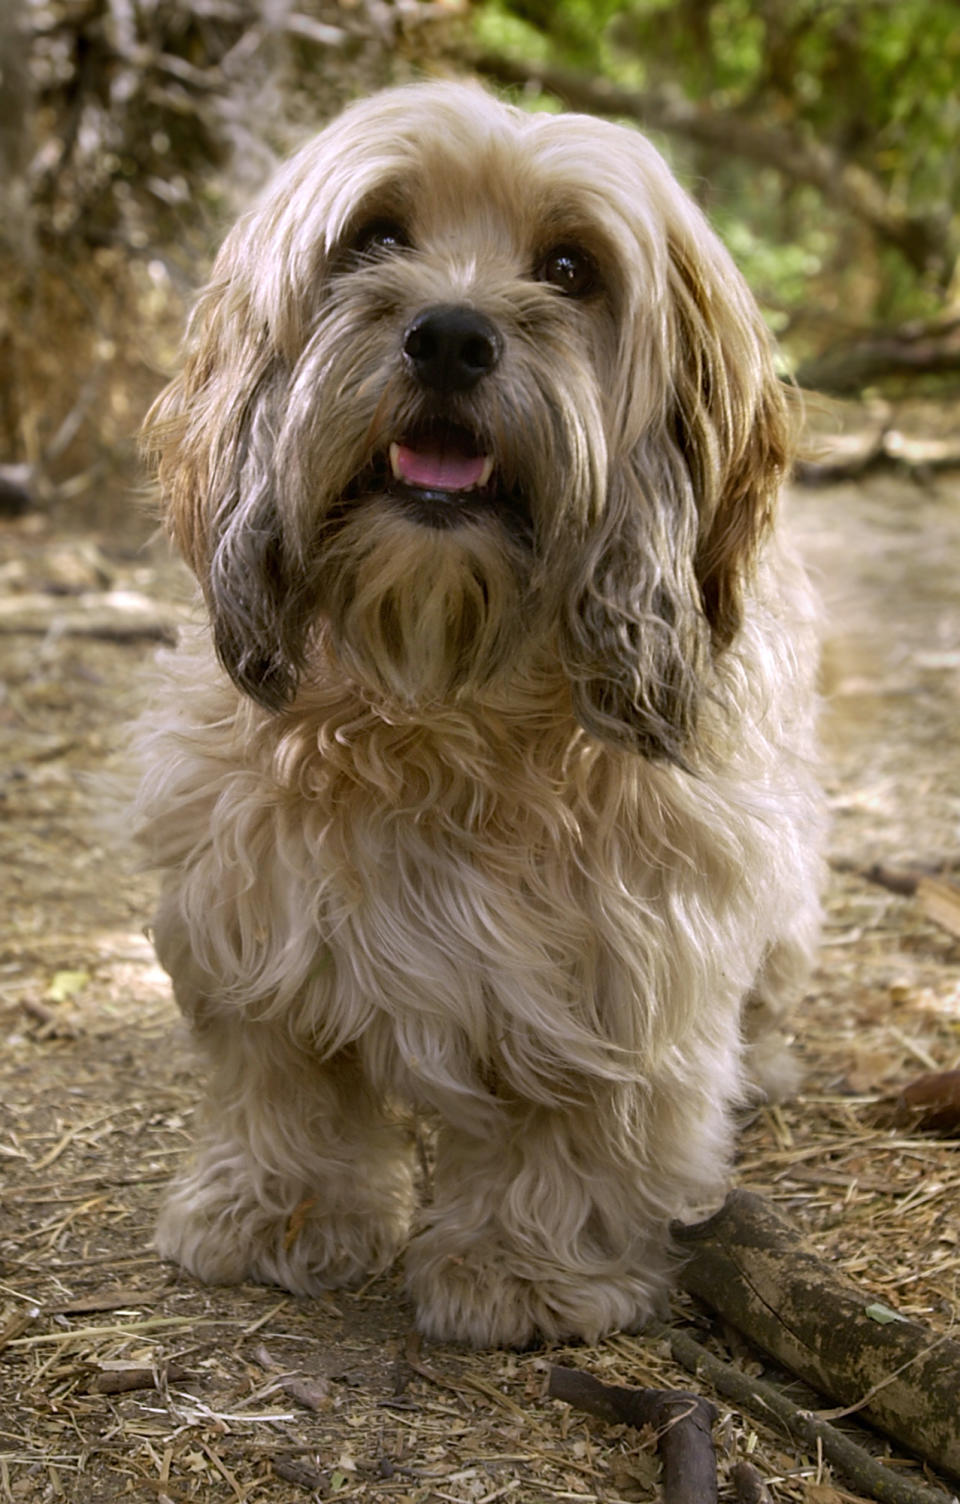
[448, 463]
[443, 475]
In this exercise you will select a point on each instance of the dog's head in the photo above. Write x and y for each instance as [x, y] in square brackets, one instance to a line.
[467, 379]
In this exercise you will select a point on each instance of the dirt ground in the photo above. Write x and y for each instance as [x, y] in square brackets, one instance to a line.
[254, 1395]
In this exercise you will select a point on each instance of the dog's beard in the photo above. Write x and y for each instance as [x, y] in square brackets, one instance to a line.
[436, 554]
[420, 610]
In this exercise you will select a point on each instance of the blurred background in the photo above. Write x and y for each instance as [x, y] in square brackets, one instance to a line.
[820, 135]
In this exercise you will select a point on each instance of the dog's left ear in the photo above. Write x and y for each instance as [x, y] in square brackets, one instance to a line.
[731, 422]
[659, 590]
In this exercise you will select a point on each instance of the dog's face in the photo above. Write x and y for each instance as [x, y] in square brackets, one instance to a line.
[469, 379]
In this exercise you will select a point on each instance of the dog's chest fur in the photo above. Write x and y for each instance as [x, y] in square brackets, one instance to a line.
[475, 895]
[494, 890]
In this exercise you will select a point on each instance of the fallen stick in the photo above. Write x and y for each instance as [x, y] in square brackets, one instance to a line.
[683, 1423]
[136, 1376]
[753, 1269]
[113, 616]
[765, 1402]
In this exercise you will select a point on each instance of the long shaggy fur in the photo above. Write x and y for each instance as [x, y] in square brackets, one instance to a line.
[497, 807]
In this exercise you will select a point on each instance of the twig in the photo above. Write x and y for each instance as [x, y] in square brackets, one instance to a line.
[303, 1474]
[894, 879]
[127, 1329]
[137, 1376]
[17, 1324]
[683, 1423]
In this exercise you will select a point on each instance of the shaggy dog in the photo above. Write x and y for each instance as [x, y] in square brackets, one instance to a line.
[488, 793]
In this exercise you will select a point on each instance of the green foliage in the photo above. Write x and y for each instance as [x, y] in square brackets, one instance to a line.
[780, 271]
[499, 27]
[875, 83]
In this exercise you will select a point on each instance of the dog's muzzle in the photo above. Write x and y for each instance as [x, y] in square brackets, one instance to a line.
[440, 469]
[451, 347]
[447, 350]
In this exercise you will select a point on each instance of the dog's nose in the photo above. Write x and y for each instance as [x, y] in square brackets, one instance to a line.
[451, 348]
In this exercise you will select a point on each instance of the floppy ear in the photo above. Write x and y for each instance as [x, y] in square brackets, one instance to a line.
[634, 639]
[732, 425]
[660, 590]
[211, 435]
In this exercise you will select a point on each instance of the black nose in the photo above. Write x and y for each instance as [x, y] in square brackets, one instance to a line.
[451, 348]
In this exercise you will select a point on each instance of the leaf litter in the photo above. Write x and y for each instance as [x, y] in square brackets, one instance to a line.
[123, 1379]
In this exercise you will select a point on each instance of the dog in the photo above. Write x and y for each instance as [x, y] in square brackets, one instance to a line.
[488, 792]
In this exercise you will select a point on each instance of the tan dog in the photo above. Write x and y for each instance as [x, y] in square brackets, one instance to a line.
[488, 795]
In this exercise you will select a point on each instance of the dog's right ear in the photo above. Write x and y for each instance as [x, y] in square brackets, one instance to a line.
[211, 437]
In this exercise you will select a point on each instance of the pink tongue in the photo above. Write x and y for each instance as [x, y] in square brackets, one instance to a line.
[439, 469]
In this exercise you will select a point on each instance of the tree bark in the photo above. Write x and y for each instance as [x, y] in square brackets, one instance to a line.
[753, 1269]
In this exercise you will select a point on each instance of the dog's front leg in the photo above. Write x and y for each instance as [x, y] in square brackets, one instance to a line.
[541, 1228]
[300, 1177]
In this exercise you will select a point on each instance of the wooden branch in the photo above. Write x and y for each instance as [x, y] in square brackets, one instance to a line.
[923, 240]
[112, 616]
[753, 1269]
[930, 348]
[683, 1423]
[762, 1400]
[848, 457]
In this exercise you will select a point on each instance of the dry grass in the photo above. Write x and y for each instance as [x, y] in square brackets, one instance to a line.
[252, 1395]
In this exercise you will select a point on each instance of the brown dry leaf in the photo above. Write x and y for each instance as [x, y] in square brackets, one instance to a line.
[822, 1493]
[931, 1101]
[637, 1478]
[869, 1067]
[297, 1220]
[940, 902]
[748, 1484]
[263, 1356]
[312, 1393]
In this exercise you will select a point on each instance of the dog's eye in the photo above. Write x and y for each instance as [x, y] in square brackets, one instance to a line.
[570, 270]
[380, 236]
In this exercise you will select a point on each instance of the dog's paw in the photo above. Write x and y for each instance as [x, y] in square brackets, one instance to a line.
[222, 1236]
[482, 1297]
